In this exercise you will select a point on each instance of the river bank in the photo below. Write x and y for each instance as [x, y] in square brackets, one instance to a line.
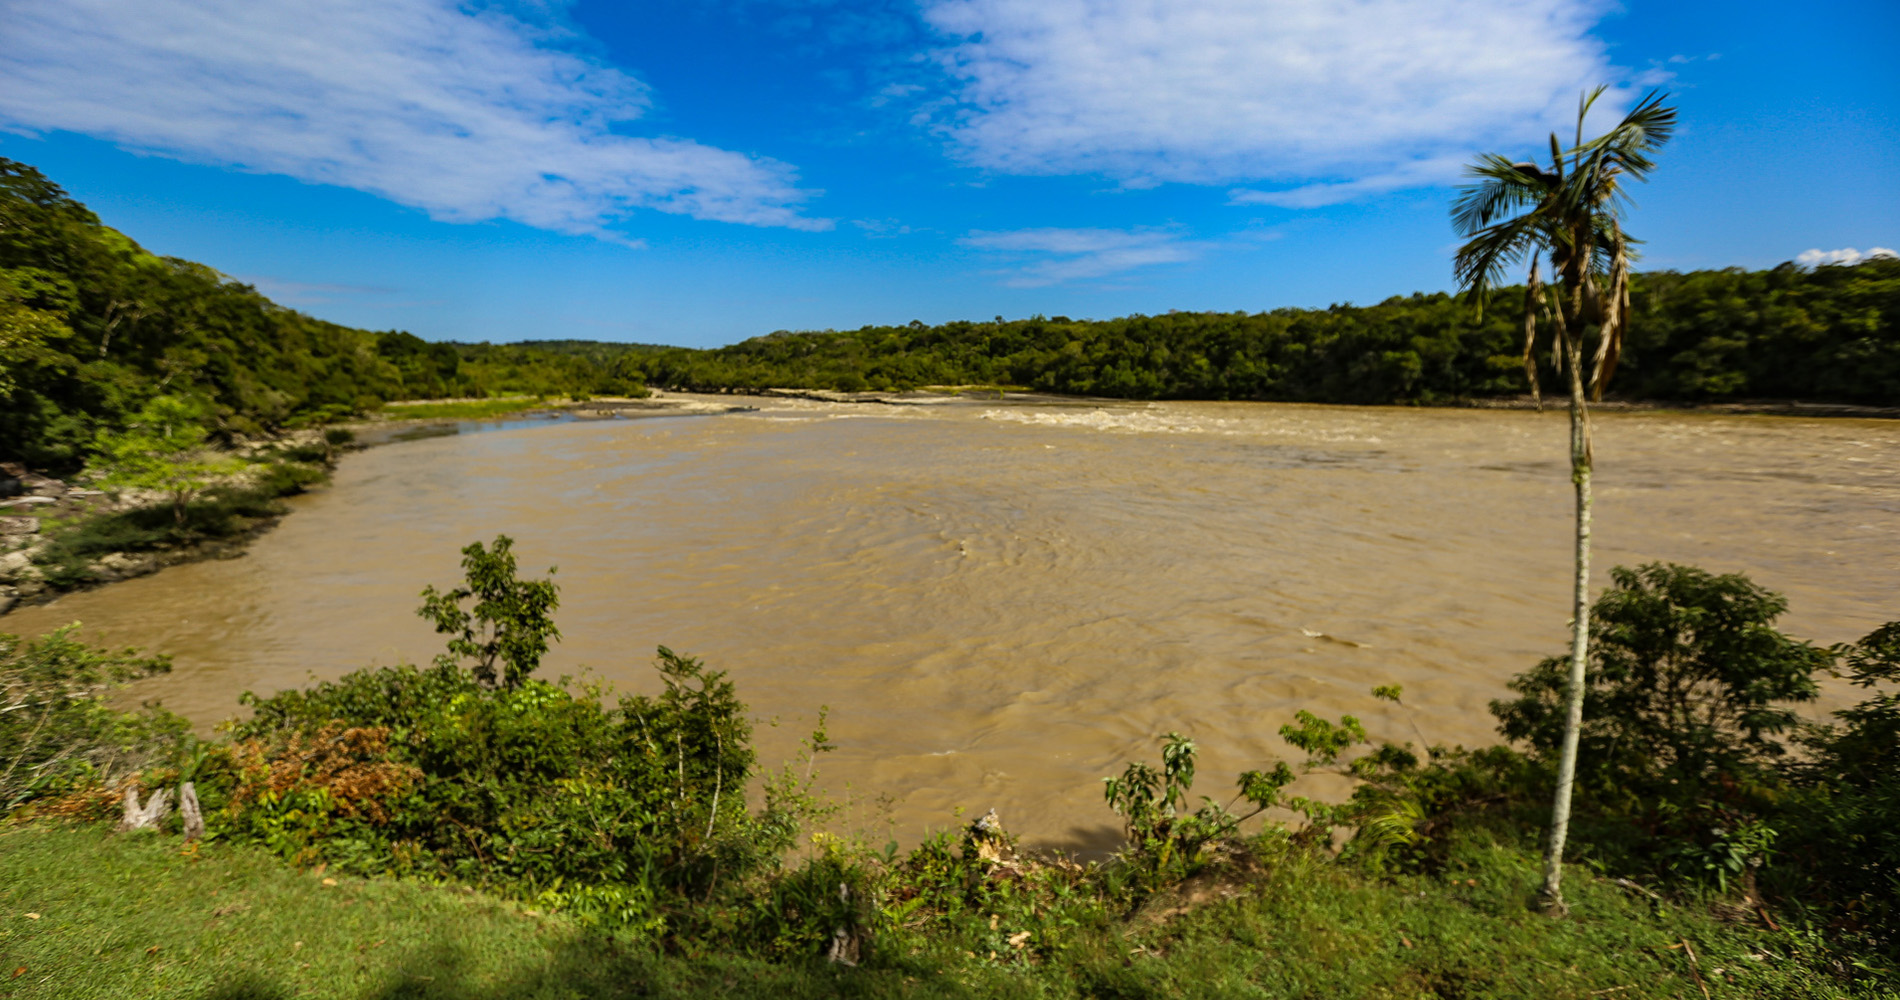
[36, 510]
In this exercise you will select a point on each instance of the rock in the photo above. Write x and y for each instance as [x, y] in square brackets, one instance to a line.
[19, 525]
[7, 599]
[188, 808]
[32, 501]
[43, 485]
[123, 565]
[29, 589]
[13, 564]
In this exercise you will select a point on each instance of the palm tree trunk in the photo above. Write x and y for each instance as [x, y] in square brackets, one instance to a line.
[1580, 461]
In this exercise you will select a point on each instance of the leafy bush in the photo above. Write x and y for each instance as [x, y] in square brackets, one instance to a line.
[487, 775]
[510, 624]
[56, 734]
[1164, 840]
[163, 449]
[1694, 765]
[1688, 681]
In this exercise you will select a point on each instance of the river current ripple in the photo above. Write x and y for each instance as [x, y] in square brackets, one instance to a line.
[1001, 604]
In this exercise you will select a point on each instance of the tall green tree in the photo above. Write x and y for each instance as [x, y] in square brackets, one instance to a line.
[164, 450]
[1573, 214]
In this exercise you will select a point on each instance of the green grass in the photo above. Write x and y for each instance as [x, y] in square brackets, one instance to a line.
[136, 916]
[477, 409]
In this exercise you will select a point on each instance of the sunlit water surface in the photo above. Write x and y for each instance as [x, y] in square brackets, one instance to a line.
[1003, 603]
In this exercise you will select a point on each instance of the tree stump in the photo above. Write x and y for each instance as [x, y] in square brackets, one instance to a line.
[188, 809]
[149, 815]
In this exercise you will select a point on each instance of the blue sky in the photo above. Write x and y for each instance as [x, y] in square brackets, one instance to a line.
[701, 172]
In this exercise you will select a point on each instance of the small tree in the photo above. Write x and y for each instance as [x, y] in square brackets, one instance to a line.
[163, 450]
[510, 624]
[1573, 212]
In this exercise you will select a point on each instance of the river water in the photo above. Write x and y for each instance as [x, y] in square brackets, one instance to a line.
[1001, 604]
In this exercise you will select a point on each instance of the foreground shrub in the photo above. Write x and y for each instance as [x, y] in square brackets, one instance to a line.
[56, 732]
[485, 774]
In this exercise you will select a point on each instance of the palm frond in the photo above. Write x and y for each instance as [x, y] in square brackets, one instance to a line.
[1584, 102]
[1501, 188]
[1627, 147]
[1481, 263]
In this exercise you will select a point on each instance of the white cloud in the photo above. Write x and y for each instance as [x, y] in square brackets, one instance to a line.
[1358, 94]
[878, 229]
[1848, 256]
[1053, 256]
[1417, 173]
[469, 114]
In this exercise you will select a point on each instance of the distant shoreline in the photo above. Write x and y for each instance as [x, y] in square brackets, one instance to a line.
[940, 395]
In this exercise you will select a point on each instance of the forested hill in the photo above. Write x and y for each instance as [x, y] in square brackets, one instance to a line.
[1831, 334]
[92, 326]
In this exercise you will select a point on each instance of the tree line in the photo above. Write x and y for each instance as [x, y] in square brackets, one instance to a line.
[1830, 334]
[93, 327]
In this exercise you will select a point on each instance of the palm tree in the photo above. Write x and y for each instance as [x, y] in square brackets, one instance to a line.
[1572, 212]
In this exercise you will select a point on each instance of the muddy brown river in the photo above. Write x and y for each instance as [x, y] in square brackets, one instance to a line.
[1003, 603]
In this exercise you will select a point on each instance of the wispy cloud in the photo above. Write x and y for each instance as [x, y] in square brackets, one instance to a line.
[1418, 173]
[1365, 96]
[465, 112]
[1042, 257]
[879, 229]
[1848, 256]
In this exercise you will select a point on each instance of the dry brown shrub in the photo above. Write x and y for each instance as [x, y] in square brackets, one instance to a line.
[351, 762]
[93, 803]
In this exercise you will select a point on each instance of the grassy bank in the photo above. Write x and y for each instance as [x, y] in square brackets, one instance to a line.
[137, 916]
[463, 409]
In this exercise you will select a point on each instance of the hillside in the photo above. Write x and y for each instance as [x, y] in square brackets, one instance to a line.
[92, 325]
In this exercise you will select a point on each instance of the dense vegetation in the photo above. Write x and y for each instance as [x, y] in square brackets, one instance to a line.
[1710, 819]
[1831, 334]
[93, 327]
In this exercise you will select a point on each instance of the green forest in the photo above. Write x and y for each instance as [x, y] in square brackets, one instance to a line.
[1831, 334]
[93, 326]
